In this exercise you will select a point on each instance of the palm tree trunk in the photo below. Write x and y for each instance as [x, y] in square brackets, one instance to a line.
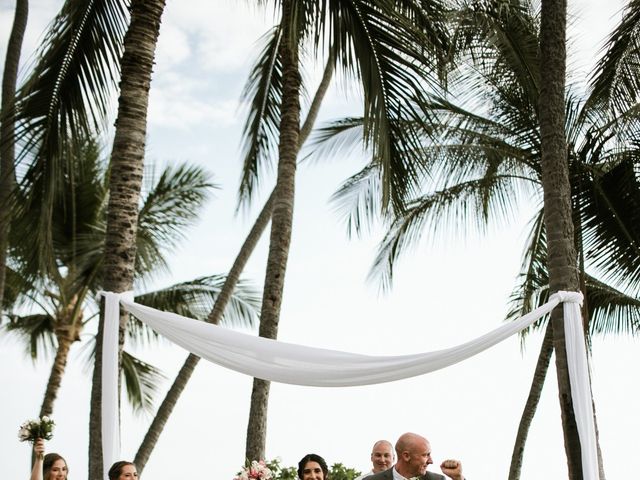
[562, 261]
[179, 384]
[542, 366]
[281, 224]
[55, 377]
[127, 161]
[68, 328]
[7, 126]
[166, 408]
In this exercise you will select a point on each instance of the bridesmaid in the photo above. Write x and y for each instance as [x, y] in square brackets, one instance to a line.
[123, 471]
[48, 467]
[312, 467]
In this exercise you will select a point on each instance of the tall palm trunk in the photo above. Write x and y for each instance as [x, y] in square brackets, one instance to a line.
[164, 411]
[281, 224]
[68, 329]
[542, 366]
[562, 261]
[127, 161]
[166, 408]
[7, 125]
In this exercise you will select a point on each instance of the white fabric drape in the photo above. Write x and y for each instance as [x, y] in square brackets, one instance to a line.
[109, 395]
[581, 388]
[295, 364]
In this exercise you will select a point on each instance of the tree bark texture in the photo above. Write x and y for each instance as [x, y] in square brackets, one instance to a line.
[68, 328]
[127, 162]
[542, 366]
[281, 224]
[562, 260]
[7, 127]
[55, 377]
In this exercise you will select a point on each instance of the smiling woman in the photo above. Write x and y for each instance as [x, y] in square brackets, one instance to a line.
[312, 467]
[48, 467]
[123, 471]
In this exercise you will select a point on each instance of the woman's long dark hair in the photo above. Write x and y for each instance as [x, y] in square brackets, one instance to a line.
[312, 457]
[116, 469]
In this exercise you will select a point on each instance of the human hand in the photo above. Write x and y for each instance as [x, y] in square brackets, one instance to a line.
[38, 448]
[452, 468]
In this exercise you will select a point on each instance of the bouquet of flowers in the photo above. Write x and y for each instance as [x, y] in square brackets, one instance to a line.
[31, 430]
[255, 471]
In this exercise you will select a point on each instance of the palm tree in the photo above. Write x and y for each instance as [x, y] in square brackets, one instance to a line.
[126, 166]
[169, 206]
[484, 158]
[64, 100]
[7, 148]
[372, 42]
[256, 123]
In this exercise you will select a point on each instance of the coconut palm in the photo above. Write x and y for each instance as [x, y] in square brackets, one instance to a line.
[562, 261]
[7, 148]
[373, 44]
[125, 180]
[484, 155]
[65, 99]
[64, 299]
[257, 92]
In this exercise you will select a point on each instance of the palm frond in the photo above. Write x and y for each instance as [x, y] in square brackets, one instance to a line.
[195, 299]
[173, 203]
[611, 311]
[471, 203]
[341, 136]
[16, 286]
[66, 97]
[78, 207]
[608, 202]
[36, 331]
[358, 200]
[501, 39]
[532, 289]
[142, 381]
[260, 132]
[615, 81]
[382, 47]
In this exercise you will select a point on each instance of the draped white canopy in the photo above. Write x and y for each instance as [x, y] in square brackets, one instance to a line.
[295, 364]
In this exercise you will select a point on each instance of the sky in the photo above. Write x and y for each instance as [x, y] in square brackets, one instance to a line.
[446, 291]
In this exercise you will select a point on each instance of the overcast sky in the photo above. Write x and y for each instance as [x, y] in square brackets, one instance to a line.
[446, 292]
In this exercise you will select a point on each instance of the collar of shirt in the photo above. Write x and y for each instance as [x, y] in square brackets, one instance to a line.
[396, 475]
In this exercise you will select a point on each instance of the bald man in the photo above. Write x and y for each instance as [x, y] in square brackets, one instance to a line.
[414, 456]
[382, 458]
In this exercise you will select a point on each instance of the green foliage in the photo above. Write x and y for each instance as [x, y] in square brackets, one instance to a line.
[337, 471]
[281, 472]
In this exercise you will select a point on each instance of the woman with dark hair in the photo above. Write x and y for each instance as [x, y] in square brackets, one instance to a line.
[123, 471]
[48, 467]
[313, 467]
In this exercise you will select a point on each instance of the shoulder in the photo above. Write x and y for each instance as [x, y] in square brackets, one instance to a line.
[364, 475]
[386, 475]
[433, 476]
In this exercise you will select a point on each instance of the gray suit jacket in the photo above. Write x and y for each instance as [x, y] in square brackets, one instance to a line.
[388, 475]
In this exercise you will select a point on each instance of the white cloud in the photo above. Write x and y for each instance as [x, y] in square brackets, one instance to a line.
[224, 31]
[183, 102]
[173, 46]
